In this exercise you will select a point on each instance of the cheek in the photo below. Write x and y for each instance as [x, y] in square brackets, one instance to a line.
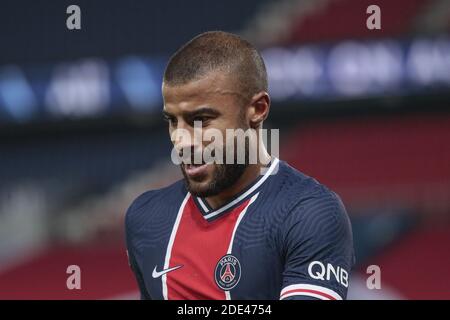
[213, 137]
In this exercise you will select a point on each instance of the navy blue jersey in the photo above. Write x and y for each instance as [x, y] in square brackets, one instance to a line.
[286, 236]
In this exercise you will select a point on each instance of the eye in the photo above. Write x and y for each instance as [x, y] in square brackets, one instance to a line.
[171, 120]
[203, 119]
[199, 118]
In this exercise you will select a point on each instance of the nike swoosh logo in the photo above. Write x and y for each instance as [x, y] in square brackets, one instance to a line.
[157, 274]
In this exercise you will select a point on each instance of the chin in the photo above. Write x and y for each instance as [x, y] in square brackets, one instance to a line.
[198, 188]
[199, 191]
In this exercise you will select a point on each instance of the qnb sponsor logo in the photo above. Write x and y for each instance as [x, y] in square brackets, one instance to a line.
[319, 271]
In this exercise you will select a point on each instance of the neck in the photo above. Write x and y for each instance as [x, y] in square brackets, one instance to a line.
[250, 174]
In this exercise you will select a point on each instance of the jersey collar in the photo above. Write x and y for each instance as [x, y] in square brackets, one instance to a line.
[211, 214]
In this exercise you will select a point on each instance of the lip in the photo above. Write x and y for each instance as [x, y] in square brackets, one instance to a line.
[193, 171]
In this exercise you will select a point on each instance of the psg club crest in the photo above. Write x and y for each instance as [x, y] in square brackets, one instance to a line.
[228, 272]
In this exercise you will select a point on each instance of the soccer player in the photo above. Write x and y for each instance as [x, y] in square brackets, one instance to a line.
[259, 230]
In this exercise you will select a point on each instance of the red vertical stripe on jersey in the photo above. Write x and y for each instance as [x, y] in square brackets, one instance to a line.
[198, 246]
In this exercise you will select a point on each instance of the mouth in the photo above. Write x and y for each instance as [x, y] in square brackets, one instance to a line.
[195, 170]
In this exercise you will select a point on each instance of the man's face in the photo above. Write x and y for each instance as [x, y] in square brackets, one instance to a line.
[214, 101]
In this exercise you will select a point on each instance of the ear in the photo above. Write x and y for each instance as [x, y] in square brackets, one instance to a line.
[258, 109]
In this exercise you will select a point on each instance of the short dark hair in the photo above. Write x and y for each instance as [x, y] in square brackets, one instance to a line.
[223, 51]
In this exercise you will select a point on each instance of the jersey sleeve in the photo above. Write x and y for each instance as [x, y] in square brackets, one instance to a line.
[131, 254]
[318, 250]
[138, 275]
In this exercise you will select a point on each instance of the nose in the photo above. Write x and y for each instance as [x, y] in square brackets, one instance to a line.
[186, 143]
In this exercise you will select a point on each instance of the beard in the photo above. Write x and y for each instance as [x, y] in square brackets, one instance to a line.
[224, 177]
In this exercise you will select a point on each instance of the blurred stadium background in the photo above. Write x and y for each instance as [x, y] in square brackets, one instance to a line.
[81, 133]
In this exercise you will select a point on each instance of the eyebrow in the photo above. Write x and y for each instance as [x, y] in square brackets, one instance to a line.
[197, 112]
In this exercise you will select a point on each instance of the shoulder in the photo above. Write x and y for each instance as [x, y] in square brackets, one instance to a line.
[310, 202]
[299, 189]
[317, 224]
[143, 208]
